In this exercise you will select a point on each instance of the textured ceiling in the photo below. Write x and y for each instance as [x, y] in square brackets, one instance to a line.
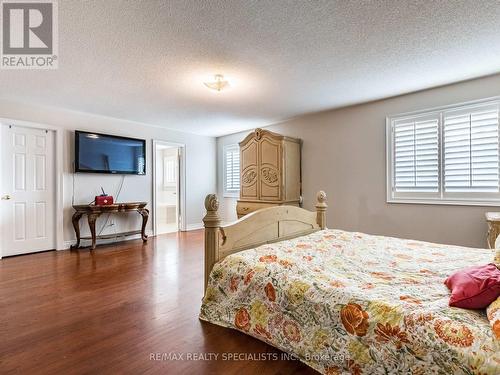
[146, 60]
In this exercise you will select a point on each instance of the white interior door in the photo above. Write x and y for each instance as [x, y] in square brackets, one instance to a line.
[27, 190]
[166, 208]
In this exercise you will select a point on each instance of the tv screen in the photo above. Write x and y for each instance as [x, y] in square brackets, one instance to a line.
[102, 153]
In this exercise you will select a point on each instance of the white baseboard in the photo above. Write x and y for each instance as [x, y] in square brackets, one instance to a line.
[68, 244]
[194, 227]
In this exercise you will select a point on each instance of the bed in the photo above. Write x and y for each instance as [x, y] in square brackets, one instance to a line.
[342, 301]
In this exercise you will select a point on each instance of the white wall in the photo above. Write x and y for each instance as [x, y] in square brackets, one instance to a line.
[344, 154]
[200, 164]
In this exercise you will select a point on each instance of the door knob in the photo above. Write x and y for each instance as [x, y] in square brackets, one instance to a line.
[6, 197]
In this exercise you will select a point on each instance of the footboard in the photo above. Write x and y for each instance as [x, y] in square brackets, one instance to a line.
[264, 226]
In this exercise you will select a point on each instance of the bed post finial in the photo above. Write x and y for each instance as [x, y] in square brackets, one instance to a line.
[211, 221]
[321, 209]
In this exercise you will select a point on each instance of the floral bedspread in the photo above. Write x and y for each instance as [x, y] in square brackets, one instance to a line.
[352, 302]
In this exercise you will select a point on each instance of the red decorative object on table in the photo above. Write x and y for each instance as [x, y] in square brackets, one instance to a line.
[103, 200]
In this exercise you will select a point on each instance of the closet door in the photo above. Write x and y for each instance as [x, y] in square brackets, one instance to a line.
[249, 170]
[270, 166]
[27, 189]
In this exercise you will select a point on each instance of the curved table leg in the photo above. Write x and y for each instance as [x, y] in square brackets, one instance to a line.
[493, 232]
[145, 214]
[75, 220]
[92, 218]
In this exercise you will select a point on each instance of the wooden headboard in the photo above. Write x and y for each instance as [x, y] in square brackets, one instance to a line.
[260, 227]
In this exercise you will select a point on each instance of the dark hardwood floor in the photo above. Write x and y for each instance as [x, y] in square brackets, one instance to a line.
[108, 312]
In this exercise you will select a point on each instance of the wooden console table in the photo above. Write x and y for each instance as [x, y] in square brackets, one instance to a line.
[94, 211]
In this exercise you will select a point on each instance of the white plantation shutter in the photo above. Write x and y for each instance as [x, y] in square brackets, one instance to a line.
[232, 169]
[416, 155]
[447, 155]
[471, 150]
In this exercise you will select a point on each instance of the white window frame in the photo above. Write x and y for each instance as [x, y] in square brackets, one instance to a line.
[231, 193]
[441, 197]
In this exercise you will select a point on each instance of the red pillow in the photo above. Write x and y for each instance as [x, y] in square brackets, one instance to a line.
[474, 287]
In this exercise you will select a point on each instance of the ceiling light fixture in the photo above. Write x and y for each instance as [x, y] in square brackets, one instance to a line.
[219, 84]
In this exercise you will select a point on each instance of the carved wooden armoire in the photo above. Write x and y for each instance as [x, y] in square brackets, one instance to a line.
[269, 171]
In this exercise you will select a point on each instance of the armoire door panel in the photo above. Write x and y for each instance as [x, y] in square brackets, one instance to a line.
[248, 171]
[248, 182]
[270, 169]
[270, 193]
[270, 175]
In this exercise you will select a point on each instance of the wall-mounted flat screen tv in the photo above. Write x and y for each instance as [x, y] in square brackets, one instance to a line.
[103, 153]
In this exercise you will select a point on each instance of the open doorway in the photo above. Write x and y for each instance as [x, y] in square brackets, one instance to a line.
[167, 187]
